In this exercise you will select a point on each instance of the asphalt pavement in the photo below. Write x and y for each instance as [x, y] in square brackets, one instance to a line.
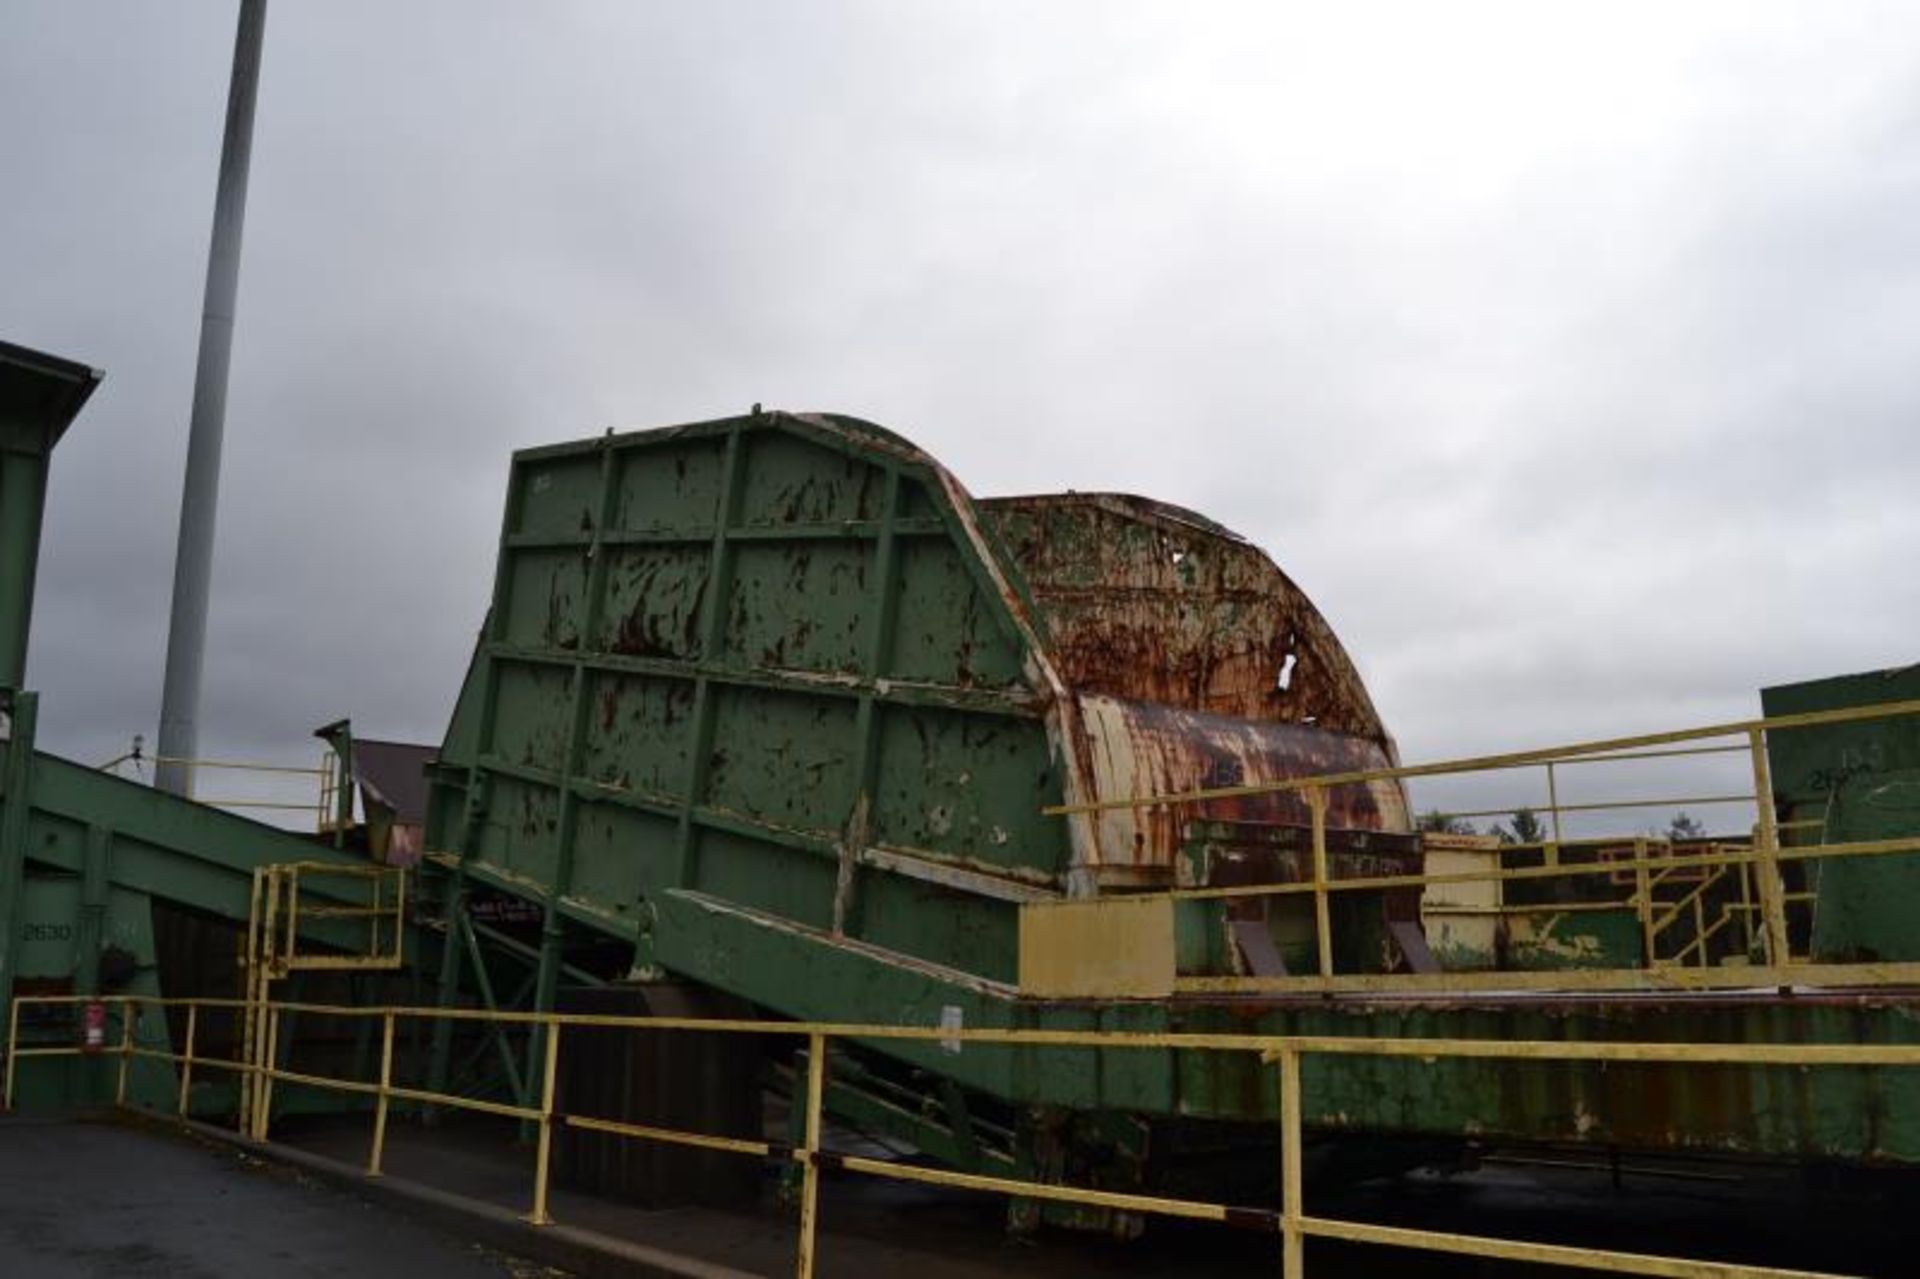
[101, 1201]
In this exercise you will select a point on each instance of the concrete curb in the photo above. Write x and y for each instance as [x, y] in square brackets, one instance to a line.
[585, 1253]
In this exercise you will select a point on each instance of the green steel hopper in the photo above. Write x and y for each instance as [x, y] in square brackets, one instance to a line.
[775, 702]
[782, 678]
[775, 699]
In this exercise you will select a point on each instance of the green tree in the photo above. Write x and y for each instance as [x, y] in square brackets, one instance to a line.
[1684, 827]
[1525, 827]
[1436, 822]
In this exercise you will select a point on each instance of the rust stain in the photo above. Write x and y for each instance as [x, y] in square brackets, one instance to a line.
[1062, 710]
[1144, 748]
[1147, 602]
[1192, 662]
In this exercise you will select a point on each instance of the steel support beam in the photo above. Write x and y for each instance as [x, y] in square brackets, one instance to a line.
[553, 931]
[39, 396]
[884, 601]
[94, 880]
[713, 634]
[16, 808]
[474, 812]
[23, 495]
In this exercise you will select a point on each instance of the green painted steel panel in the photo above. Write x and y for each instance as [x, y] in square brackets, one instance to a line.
[163, 846]
[1578, 939]
[1864, 910]
[55, 941]
[1863, 1114]
[1862, 781]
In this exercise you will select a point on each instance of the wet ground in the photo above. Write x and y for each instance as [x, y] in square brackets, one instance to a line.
[109, 1201]
[97, 1201]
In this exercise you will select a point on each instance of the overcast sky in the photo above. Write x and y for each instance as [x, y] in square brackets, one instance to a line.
[1568, 356]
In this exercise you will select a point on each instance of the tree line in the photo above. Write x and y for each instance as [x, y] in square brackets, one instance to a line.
[1524, 826]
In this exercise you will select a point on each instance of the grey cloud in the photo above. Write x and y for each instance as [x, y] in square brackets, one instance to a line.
[1565, 358]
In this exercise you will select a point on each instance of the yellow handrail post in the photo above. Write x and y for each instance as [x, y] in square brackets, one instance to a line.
[293, 914]
[263, 1122]
[1700, 920]
[1643, 897]
[250, 961]
[255, 1017]
[1746, 892]
[325, 806]
[13, 1047]
[1322, 914]
[1552, 851]
[810, 1155]
[399, 914]
[186, 1057]
[128, 1012]
[1767, 845]
[544, 1158]
[265, 958]
[256, 1069]
[1293, 1263]
[386, 1092]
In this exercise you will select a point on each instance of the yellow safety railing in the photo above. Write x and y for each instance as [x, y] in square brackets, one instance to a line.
[1690, 908]
[325, 777]
[275, 914]
[125, 1047]
[1290, 1220]
[1665, 877]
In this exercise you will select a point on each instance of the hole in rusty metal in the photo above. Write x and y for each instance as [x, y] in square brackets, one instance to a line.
[1285, 678]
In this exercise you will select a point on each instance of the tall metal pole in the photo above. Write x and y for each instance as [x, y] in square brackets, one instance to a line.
[193, 560]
